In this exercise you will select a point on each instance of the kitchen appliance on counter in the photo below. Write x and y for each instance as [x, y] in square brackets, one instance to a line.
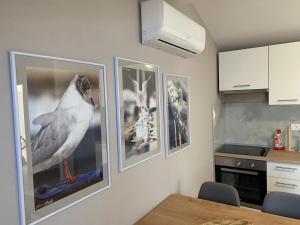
[248, 176]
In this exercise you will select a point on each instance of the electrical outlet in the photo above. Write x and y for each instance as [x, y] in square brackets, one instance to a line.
[295, 126]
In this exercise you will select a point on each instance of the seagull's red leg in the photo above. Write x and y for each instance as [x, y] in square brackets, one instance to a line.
[66, 170]
[68, 174]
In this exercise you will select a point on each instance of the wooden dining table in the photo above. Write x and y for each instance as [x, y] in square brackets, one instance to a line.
[182, 210]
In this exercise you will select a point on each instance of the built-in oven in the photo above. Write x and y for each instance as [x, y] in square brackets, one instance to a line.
[247, 176]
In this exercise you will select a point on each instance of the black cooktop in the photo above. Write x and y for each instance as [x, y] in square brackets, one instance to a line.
[244, 150]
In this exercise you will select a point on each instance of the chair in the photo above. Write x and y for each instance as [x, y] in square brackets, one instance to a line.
[282, 204]
[219, 192]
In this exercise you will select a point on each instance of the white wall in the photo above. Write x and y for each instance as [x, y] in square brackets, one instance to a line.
[97, 30]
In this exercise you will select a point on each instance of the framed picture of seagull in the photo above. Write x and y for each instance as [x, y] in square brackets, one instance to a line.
[60, 114]
[176, 111]
[137, 93]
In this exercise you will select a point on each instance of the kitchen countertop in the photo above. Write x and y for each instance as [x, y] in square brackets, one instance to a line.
[283, 156]
[242, 156]
[272, 156]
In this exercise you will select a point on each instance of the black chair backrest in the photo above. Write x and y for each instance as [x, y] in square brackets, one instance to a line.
[282, 204]
[219, 192]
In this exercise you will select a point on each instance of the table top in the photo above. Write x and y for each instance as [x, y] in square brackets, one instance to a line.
[183, 210]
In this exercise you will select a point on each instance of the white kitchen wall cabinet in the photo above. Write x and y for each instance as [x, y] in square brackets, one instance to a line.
[245, 69]
[283, 177]
[284, 74]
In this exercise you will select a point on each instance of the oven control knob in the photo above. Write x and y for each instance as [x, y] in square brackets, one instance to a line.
[238, 163]
[252, 165]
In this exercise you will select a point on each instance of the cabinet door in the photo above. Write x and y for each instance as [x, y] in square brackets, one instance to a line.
[245, 69]
[284, 74]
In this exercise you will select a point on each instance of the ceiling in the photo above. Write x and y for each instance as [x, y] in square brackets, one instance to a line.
[236, 24]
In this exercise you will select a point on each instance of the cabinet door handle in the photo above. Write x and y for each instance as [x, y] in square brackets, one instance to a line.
[286, 168]
[288, 100]
[241, 85]
[286, 185]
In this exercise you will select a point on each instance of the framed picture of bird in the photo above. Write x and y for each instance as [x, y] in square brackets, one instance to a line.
[176, 113]
[138, 115]
[60, 119]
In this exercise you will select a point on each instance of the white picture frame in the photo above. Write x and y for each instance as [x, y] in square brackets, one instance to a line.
[28, 212]
[180, 80]
[135, 159]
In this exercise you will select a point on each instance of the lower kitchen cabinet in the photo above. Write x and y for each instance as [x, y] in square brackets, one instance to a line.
[283, 177]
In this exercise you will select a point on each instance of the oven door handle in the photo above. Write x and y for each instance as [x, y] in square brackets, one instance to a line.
[239, 171]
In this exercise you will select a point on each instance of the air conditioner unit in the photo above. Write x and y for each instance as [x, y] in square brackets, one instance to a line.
[165, 28]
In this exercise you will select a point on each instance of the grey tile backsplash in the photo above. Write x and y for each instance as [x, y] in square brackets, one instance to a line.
[218, 116]
[251, 123]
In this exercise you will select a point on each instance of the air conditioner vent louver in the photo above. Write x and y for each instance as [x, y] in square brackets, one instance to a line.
[177, 46]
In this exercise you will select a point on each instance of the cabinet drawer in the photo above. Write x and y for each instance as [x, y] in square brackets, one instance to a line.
[283, 170]
[283, 185]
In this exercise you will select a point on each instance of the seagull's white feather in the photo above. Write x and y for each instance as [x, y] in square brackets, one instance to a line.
[62, 130]
[51, 136]
[45, 119]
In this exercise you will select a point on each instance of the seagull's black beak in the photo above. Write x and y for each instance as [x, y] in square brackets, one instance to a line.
[89, 98]
[92, 102]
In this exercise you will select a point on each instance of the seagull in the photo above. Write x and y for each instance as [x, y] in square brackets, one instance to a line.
[142, 131]
[141, 95]
[182, 107]
[178, 104]
[63, 129]
[179, 110]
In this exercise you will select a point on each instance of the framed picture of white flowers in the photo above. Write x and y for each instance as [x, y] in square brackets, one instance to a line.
[176, 113]
[60, 119]
[137, 97]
